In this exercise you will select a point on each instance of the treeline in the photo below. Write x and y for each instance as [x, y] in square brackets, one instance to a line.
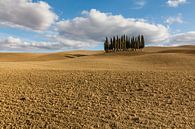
[124, 43]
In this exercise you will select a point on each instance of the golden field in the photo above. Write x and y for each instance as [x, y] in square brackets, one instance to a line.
[153, 88]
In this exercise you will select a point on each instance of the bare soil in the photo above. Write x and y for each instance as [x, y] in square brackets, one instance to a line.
[154, 88]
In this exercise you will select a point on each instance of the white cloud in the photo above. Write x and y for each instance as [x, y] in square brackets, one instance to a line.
[140, 4]
[175, 3]
[55, 43]
[93, 26]
[25, 13]
[73, 42]
[187, 38]
[16, 44]
[173, 20]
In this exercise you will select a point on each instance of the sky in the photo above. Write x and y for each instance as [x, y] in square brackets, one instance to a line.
[60, 25]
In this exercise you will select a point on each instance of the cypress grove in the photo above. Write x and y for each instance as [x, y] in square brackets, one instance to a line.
[124, 43]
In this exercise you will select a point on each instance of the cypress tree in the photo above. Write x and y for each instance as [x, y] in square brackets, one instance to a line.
[128, 43]
[133, 43]
[117, 44]
[111, 44]
[120, 43]
[106, 45]
[139, 42]
[124, 43]
[114, 43]
[142, 41]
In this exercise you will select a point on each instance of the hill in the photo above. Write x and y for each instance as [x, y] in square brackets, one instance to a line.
[153, 88]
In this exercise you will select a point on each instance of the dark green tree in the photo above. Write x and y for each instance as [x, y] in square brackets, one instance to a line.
[119, 46]
[114, 43]
[128, 43]
[124, 42]
[111, 45]
[138, 42]
[133, 43]
[142, 42]
[117, 43]
[106, 45]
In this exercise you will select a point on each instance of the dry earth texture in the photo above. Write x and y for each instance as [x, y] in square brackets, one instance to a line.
[154, 88]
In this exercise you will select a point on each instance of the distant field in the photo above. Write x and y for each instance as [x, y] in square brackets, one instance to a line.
[152, 88]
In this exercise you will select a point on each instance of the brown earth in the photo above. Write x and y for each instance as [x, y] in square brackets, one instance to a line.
[153, 88]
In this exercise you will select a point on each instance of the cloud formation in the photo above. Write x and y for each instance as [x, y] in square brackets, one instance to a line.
[173, 20]
[187, 38]
[94, 25]
[175, 3]
[140, 4]
[25, 13]
[16, 44]
[89, 30]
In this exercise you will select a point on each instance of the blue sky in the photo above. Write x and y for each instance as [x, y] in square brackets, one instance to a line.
[58, 25]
